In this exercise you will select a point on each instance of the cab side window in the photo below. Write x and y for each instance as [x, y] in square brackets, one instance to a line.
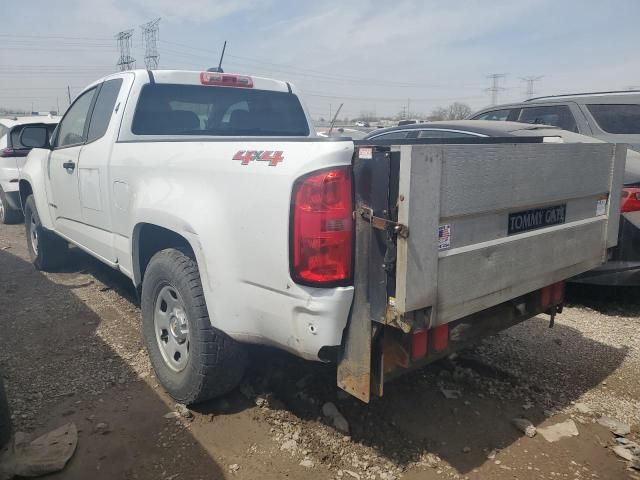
[72, 127]
[103, 109]
[556, 115]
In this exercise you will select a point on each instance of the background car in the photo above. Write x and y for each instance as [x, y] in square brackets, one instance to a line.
[623, 267]
[609, 116]
[12, 157]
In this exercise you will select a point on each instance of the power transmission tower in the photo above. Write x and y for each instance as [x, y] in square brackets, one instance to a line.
[150, 36]
[530, 85]
[495, 88]
[126, 62]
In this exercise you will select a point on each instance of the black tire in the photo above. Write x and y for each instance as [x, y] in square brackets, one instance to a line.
[215, 363]
[50, 251]
[5, 416]
[7, 214]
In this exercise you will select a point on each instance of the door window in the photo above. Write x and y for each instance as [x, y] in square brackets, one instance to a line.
[399, 135]
[72, 127]
[556, 115]
[500, 115]
[103, 109]
[617, 118]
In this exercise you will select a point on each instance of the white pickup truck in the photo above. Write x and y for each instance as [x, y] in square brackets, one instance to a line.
[238, 225]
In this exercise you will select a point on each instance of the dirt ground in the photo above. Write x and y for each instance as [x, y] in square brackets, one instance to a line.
[71, 351]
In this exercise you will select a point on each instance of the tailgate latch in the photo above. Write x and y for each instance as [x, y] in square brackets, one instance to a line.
[385, 224]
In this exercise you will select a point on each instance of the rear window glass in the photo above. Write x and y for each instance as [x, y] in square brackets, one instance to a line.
[17, 131]
[617, 118]
[168, 109]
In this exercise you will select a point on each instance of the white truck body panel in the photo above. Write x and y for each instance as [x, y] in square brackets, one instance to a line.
[234, 216]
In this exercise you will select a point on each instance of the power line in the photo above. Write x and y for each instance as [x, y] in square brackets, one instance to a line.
[150, 37]
[495, 88]
[126, 61]
[530, 84]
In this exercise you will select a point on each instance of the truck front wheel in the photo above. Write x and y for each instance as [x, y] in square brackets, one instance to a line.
[46, 249]
[192, 360]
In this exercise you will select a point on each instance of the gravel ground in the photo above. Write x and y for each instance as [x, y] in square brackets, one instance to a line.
[72, 351]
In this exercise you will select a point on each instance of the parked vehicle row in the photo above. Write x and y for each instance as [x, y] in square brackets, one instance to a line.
[609, 116]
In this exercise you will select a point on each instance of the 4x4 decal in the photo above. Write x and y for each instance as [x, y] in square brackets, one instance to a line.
[272, 156]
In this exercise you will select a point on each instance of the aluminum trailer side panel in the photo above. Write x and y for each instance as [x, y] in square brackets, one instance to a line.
[479, 194]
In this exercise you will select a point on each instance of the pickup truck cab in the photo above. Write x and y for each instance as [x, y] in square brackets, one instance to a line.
[238, 225]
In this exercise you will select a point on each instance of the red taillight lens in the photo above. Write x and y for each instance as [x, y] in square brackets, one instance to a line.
[630, 199]
[11, 152]
[322, 228]
[226, 80]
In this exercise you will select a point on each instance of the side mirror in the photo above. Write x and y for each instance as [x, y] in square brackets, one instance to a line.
[35, 136]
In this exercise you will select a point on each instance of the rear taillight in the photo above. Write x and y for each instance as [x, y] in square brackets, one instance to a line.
[322, 228]
[12, 152]
[630, 199]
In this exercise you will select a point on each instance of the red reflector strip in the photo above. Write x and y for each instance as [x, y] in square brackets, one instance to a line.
[545, 296]
[440, 338]
[419, 344]
[225, 80]
[557, 295]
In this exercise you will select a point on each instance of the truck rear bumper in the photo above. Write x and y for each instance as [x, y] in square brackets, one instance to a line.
[302, 324]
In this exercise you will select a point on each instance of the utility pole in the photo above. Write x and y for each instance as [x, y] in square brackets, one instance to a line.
[495, 88]
[57, 106]
[126, 61]
[150, 36]
[330, 112]
[69, 94]
[408, 108]
[530, 85]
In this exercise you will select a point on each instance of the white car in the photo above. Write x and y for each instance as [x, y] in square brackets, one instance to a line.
[12, 157]
[238, 225]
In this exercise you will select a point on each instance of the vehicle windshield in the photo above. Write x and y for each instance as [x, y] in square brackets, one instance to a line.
[16, 131]
[172, 109]
[617, 118]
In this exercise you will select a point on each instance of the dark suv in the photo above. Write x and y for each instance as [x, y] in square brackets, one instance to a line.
[609, 116]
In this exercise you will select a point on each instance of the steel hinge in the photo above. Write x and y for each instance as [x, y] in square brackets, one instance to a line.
[385, 224]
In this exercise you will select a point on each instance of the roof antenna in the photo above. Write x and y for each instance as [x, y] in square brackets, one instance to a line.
[218, 69]
[334, 120]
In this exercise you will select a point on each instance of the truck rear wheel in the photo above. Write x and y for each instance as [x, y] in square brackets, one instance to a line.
[7, 214]
[46, 249]
[192, 360]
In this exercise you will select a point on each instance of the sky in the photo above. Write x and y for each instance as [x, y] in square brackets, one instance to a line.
[370, 55]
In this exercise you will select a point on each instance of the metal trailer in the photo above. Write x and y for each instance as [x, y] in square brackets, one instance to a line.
[458, 241]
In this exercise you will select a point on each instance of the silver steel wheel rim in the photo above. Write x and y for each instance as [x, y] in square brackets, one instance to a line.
[1, 208]
[172, 328]
[33, 234]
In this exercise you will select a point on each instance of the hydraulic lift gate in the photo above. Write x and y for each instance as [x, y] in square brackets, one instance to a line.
[445, 231]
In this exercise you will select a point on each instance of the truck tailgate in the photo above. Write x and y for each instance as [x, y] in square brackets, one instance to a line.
[443, 232]
[488, 223]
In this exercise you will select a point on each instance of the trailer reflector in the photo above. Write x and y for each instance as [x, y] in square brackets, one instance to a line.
[441, 337]
[419, 341]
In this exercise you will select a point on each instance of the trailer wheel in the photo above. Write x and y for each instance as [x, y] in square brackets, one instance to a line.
[192, 360]
[5, 417]
[7, 214]
[46, 249]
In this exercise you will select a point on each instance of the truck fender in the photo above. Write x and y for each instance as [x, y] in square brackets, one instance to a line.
[173, 224]
[33, 178]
